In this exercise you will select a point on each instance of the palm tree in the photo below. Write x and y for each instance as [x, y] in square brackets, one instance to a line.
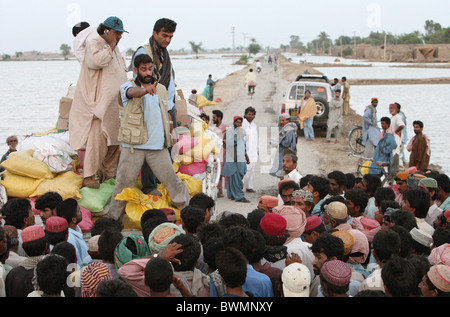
[196, 47]
[323, 37]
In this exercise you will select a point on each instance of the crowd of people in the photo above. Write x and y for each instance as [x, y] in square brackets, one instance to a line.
[331, 235]
[323, 236]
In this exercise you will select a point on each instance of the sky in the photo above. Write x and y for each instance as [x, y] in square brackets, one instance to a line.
[43, 25]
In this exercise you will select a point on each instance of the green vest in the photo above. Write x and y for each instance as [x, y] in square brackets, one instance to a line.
[133, 129]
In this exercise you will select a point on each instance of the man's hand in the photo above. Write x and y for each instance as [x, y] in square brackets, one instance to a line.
[292, 258]
[170, 251]
[150, 88]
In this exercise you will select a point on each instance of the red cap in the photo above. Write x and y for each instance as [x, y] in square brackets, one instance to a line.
[269, 201]
[56, 224]
[32, 233]
[273, 224]
[369, 223]
[237, 117]
[312, 222]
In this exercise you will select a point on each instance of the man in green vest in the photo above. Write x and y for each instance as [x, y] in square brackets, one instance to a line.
[156, 48]
[145, 136]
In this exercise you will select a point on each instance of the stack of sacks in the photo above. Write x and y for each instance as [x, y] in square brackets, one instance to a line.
[192, 150]
[26, 176]
[52, 149]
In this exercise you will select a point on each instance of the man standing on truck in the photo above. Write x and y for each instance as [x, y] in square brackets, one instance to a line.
[145, 136]
[94, 116]
[346, 94]
[156, 48]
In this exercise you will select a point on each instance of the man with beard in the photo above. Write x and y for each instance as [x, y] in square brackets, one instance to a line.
[164, 73]
[251, 141]
[419, 146]
[145, 136]
[94, 114]
[371, 131]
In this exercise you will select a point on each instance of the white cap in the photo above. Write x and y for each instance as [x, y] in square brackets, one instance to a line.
[296, 279]
[421, 237]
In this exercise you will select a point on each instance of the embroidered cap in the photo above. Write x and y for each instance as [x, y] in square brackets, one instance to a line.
[32, 233]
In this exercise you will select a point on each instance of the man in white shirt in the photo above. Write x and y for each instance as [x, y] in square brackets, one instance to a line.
[290, 168]
[251, 141]
[431, 186]
[397, 126]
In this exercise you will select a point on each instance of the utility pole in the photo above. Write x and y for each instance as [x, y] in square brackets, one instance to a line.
[245, 37]
[341, 45]
[232, 46]
[354, 44]
[385, 42]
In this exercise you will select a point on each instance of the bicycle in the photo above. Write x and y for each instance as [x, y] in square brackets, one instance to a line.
[387, 178]
[355, 138]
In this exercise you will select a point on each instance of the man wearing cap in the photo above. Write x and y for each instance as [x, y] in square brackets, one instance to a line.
[267, 203]
[295, 280]
[273, 227]
[431, 186]
[94, 115]
[313, 229]
[236, 160]
[402, 186]
[436, 283]
[336, 216]
[19, 281]
[56, 230]
[419, 146]
[335, 278]
[303, 199]
[371, 131]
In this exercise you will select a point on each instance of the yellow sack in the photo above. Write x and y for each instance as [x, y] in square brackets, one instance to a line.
[24, 164]
[193, 185]
[138, 203]
[66, 184]
[365, 170]
[203, 102]
[19, 186]
[200, 152]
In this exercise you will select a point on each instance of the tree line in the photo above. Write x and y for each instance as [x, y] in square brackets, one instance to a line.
[433, 33]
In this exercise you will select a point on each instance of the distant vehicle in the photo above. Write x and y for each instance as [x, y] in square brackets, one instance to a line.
[321, 90]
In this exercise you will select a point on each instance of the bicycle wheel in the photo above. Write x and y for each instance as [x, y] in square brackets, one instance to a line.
[355, 140]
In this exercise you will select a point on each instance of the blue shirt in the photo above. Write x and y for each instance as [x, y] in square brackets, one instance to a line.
[257, 283]
[76, 239]
[152, 118]
[170, 89]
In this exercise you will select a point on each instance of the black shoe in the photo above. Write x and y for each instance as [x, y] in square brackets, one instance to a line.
[250, 190]
[243, 200]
